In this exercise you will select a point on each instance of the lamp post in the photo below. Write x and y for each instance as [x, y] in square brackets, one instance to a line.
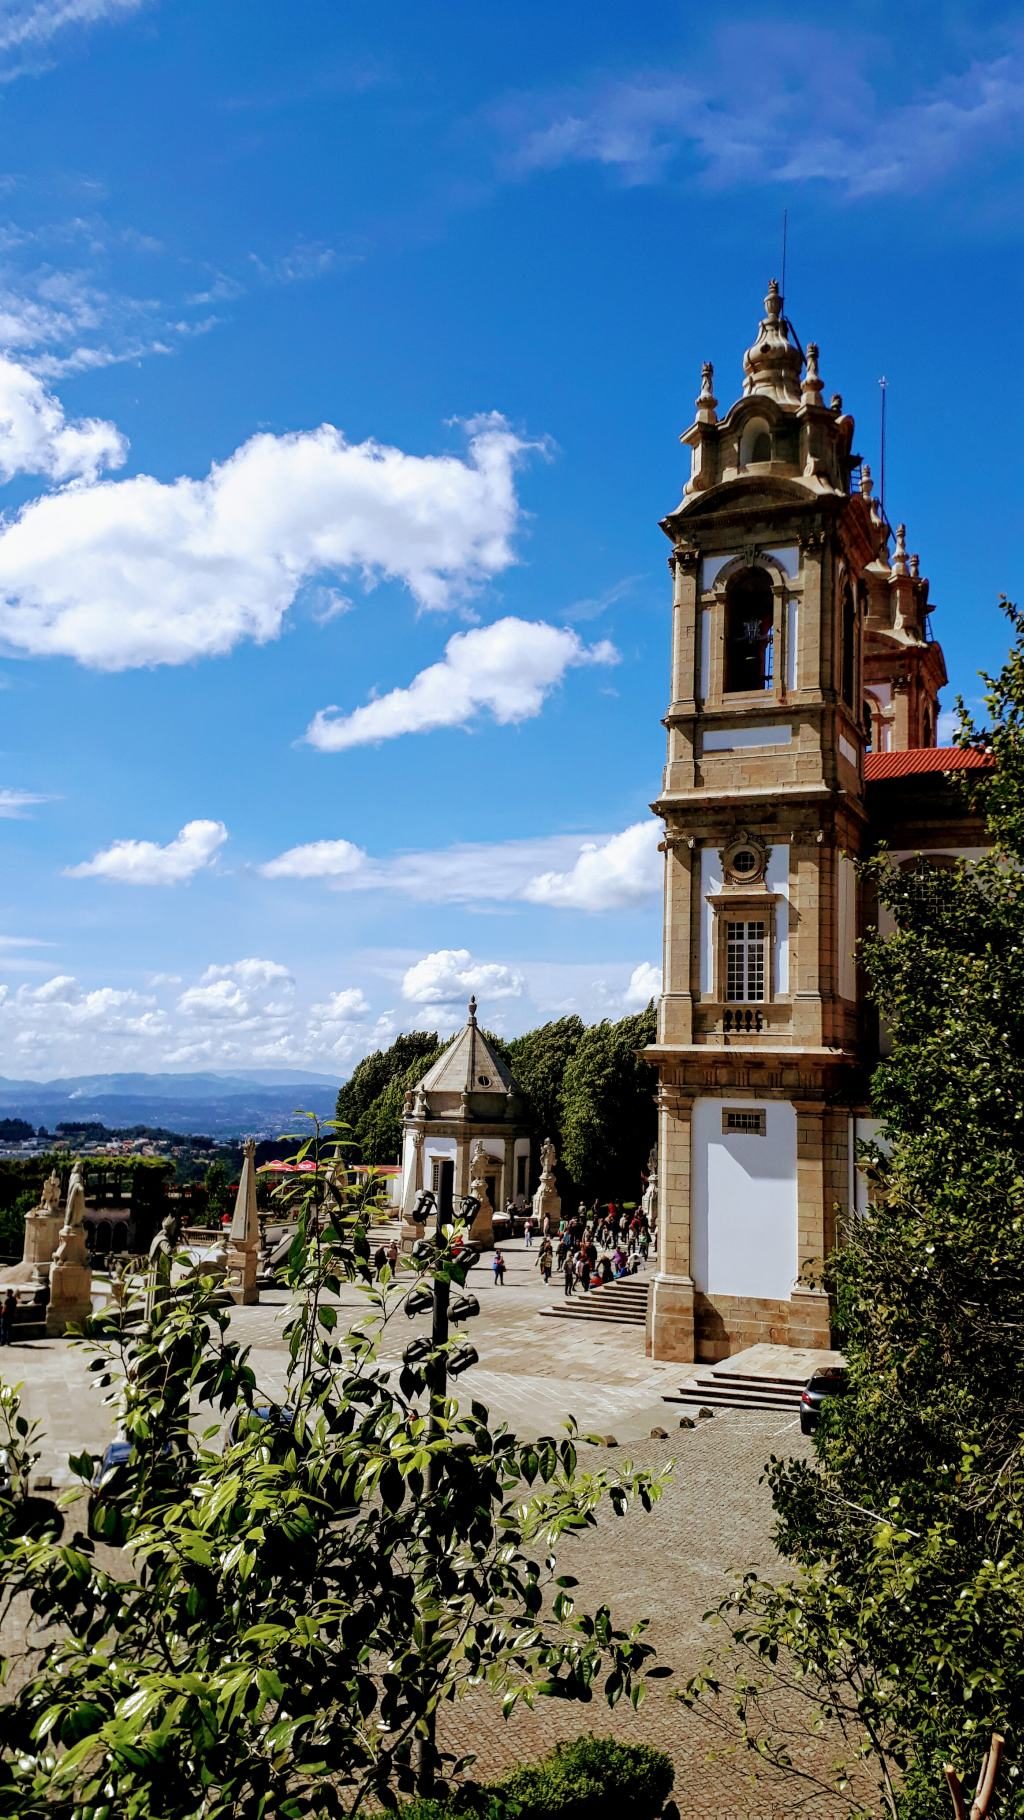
[438, 1364]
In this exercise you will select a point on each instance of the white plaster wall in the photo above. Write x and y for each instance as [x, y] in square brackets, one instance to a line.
[730, 739]
[786, 555]
[710, 883]
[704, 634]
[862, 1131]
[744, 1201]
[777, 879]
[847, 933]
[792, 638]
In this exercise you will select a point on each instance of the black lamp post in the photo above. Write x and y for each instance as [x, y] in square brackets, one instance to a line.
[444, 1264]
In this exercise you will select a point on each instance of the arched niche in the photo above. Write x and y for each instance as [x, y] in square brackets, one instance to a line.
[755, 442]
[749, 630]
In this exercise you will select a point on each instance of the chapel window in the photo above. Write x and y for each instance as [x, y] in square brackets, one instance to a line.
[746, 943]
[755, 443]
[749, 616]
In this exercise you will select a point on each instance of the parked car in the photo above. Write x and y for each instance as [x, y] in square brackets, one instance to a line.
[276, 1419]
[110, 1485]
[832, 1381]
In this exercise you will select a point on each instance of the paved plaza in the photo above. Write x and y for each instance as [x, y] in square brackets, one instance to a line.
[671, 1565]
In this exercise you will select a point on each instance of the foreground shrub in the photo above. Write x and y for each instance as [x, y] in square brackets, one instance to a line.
[591, 1779]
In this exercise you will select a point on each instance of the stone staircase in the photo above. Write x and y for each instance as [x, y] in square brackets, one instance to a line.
[624, 1302]
[724, 1389]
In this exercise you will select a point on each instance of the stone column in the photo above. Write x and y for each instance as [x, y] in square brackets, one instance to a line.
[509, 1179]
[817, 1136]
[670, 1307]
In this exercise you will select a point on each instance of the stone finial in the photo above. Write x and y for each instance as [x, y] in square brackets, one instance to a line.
[915, 567]
[899, 561]
[772, 366]
[707, 403]
[835, 404]
[472, 1010]
[813, 385]
[866, 481]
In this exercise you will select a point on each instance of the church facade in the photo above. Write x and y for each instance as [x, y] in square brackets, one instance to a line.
[802, 726]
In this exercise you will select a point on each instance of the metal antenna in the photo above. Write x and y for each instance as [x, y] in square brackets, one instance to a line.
[785, 237]
[883, 386]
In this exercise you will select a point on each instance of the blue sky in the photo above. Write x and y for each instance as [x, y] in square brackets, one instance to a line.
[344, 353]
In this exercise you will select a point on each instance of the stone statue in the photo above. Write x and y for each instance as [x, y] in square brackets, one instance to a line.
[547, 1202]
[421, 1110]
[161, 1257]
[408, 1103]
[481, 1231]
[649, 1201]
[49, 1200]
[70, 1300]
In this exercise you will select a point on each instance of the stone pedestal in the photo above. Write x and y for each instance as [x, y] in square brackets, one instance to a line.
[481, 1233]
[547, 1201]
[70, 1283]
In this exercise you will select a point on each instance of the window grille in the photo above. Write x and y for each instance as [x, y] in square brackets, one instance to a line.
[744, 962]
[754, 1124]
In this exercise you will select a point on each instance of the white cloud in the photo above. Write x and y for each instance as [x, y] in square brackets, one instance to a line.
[451, 974]
[506, 669]
[36, 437]
[144, 862]
[739, 130]
[140, 571]
[644, 984]
[341, 1007]
[27, 24]
[317, 859]
[242, 990]
[611, 875]
[13, 803]
[564, 871]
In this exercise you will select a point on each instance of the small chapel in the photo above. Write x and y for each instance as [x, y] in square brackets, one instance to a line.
[467, 1106]
[802, 725]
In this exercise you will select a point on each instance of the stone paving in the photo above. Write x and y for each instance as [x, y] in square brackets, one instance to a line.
[671, 1565]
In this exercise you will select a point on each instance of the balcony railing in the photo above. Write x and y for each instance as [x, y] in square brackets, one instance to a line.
[745, 1022]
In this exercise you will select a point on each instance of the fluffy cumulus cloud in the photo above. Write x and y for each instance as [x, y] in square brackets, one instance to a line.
[60, 1018]
[37, 438]
[317, 859]
[142, 571]
[241, 991]
[608, 875]
[450, 975]
[644, 984]
[144, 862]
[506, 670]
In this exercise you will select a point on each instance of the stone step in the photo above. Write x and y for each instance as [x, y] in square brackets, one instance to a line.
[794, 1385]
[624, 1303]
[733, 1399]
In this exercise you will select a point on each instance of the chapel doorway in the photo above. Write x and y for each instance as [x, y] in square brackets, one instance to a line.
[442, 1182]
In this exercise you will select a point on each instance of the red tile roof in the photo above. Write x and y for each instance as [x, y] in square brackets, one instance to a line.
[879, 765]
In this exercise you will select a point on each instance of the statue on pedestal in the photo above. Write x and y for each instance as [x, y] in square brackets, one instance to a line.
[481, 1232]
[547, 1202]
[649, 1202]
[162, 1253]
[70, 1274]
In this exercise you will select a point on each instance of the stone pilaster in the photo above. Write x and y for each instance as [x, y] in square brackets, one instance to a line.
[670, 1308]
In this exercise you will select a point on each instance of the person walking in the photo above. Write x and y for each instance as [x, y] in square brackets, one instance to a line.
[528, 1231]
[569, 1274]
[544, 1262]
[583, 1272]
[393, 1256]
[10, 1303]
[498, 1267]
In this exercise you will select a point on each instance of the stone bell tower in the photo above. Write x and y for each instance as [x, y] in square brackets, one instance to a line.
[778, 554]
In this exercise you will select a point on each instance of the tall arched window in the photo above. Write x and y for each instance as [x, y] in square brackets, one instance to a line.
[749, 613]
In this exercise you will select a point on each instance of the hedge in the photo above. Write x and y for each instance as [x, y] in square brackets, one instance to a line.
[587, 1779]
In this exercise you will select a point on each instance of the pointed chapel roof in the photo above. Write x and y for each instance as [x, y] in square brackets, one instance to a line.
[469, 1065]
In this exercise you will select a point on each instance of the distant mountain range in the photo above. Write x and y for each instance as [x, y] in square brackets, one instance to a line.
[257, 1100]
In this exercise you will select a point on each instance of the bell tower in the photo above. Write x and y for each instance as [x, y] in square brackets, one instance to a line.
[778, 559]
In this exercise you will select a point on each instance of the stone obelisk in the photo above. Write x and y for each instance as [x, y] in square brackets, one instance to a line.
[244, 1237]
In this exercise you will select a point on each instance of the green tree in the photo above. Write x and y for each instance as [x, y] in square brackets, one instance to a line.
[609, 1121]
[539, 1060]
[296, 1602]
[370, 1076]
[217, 1183]
[904, 1616]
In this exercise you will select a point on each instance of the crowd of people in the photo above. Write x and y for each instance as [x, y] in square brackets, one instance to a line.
[598, 1244]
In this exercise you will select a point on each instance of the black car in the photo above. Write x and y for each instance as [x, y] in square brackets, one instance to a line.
[111, 1482]
[832, 1381]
